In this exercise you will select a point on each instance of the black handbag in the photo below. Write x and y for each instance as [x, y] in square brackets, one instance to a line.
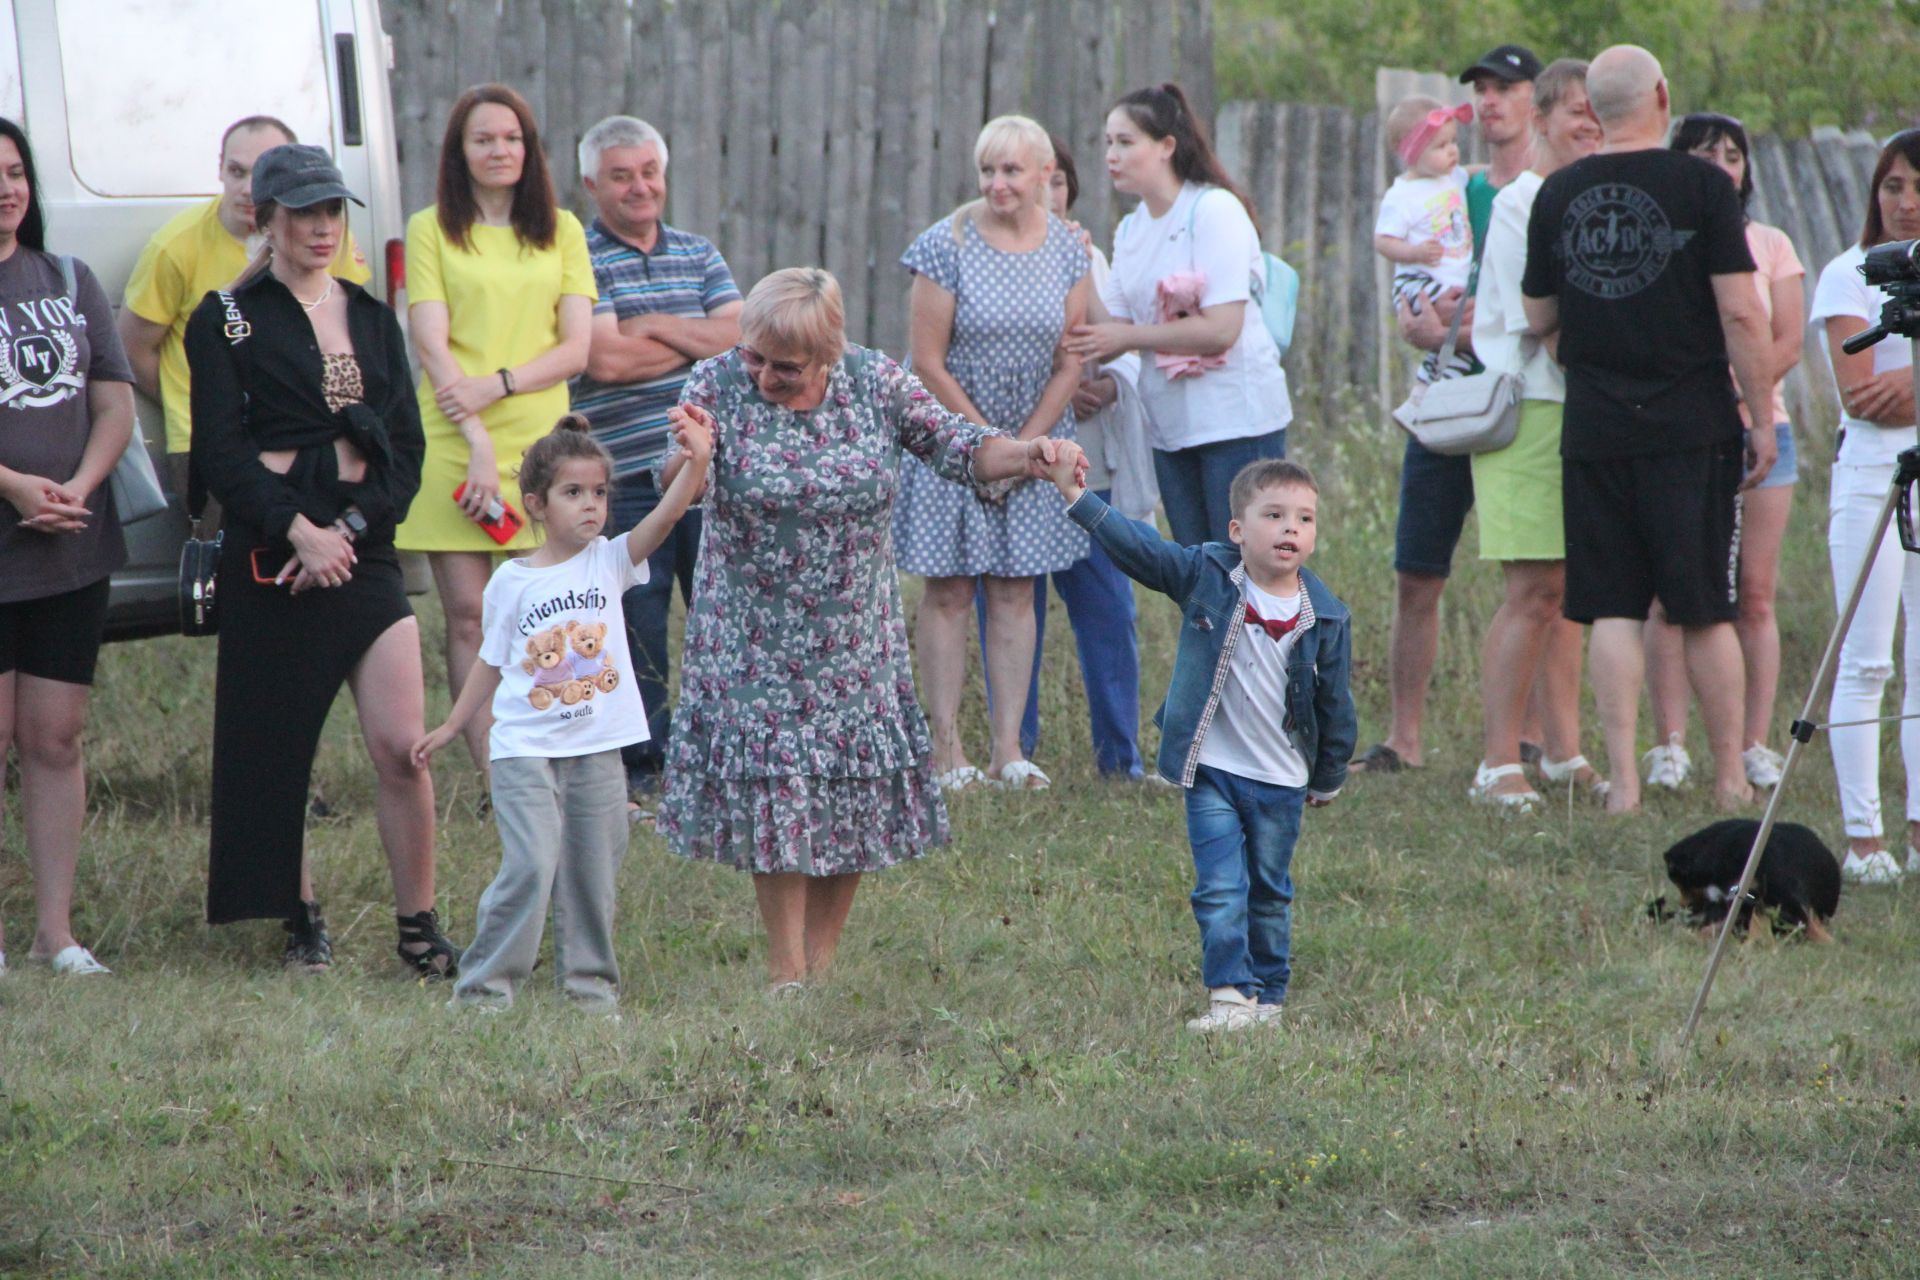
[199, 585]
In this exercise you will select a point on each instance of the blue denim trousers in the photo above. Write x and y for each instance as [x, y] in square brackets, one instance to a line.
[646, 607]
[1194, 483]
[1243, 833]
[1099, 600]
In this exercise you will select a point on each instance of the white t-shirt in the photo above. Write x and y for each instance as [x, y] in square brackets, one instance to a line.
[1842, 292]
[560, 641]
[1247, 397]
[1500, 336]
[1248, 736]
[1424, 210]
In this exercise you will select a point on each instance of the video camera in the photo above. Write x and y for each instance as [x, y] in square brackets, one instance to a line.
[1894, 269]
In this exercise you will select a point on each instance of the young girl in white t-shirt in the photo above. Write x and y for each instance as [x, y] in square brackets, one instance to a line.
[1422, 227]
[553, 659]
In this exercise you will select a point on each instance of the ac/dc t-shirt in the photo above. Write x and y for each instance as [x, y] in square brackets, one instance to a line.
[1629, 244]
[50, 349]
[559, 638]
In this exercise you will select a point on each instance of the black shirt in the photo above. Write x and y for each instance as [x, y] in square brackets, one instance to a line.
[1629, 244]
[257, 386]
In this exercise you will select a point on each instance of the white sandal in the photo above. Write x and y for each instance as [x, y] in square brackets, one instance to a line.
[1482, 792]
[1021, 775]
[959, 779]
[1564, 771]
[74, 961]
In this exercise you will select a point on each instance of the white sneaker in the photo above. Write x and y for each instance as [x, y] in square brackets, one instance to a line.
[1877, 867]
[75, 961]
[1267, 1014]
[1227, 1010]
[1763, 765]
[1668, 766]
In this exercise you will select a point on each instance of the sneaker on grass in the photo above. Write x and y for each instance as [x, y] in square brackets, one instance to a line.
[1763, 765]
[1877, 867]
[1668, 765]
[1227, 1010]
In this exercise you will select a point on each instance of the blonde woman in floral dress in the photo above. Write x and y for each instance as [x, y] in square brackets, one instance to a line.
[799, 750]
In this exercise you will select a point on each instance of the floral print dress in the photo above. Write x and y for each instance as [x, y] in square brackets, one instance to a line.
[798, 743]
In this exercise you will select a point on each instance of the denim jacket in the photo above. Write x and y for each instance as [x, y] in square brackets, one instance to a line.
[1205, 582]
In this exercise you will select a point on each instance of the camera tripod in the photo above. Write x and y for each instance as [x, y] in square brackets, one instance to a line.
[1895, 268]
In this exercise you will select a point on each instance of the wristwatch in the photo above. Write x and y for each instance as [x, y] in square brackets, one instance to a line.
[353, 524]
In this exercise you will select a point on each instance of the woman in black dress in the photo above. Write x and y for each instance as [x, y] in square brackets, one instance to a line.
[308, 433]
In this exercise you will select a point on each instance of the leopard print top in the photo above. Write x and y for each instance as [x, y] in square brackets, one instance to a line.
[340, 380]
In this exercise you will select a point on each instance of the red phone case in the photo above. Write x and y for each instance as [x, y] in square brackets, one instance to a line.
[266, 580]
[502, 530]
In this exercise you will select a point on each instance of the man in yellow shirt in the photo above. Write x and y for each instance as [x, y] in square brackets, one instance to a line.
[198, 250]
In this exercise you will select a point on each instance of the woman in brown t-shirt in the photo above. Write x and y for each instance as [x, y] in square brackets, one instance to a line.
[67, 394]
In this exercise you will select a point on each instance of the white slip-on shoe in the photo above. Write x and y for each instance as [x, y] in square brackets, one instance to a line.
[1763, 765]
[1668, 765]
[1227, 1010]
[1876, 868]
[1021, 775]
[75, 960]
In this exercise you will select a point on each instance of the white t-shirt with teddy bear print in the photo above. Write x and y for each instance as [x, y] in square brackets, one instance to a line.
[559, 640]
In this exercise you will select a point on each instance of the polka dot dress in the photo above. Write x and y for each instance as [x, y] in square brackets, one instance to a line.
[1010, 309]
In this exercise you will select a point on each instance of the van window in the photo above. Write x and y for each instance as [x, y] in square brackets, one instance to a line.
[12, 105]
[152, 84]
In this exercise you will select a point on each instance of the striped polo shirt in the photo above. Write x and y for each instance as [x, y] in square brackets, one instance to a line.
[683, 276]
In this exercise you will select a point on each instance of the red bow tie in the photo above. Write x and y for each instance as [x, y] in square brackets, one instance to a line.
[1275, 627]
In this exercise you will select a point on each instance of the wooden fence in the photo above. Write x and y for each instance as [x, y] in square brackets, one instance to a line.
[1317, 173]
[800, 131]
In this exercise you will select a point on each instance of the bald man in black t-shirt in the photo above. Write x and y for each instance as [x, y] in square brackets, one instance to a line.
[1637, 257]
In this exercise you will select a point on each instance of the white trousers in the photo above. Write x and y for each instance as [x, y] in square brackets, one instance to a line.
[1866, 655]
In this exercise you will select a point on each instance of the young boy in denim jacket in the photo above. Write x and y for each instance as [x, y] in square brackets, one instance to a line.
[1258, 722]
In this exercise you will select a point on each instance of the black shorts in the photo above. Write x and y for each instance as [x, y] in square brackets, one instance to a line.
[1436, 493]
[55, 637]
[1665, 525]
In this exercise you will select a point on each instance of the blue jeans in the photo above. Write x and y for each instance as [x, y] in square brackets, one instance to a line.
[646, 607]
[1099, 600]
[1243, 833]
[1194, 483]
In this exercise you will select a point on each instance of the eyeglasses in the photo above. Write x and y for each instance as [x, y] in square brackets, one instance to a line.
[755, 362]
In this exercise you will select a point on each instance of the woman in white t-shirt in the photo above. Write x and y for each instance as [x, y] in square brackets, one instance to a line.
[1210, 416]
[1877, 422]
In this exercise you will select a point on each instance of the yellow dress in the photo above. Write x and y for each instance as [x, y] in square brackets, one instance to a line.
[502, 310]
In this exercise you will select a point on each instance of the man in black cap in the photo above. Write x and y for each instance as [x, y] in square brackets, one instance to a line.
[1436, 491]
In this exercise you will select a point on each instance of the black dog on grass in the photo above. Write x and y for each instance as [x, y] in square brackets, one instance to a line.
[1798, 878]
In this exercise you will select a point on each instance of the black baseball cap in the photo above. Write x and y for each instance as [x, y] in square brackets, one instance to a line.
[1510, 62]
[298, 176]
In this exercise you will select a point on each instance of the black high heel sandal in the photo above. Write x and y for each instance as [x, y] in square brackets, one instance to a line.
[436, 957]
[308, 946]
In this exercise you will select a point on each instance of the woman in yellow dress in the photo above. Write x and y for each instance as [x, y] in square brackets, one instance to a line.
[500, 301]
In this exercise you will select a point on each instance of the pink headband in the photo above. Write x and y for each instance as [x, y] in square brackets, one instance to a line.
[1423, 133]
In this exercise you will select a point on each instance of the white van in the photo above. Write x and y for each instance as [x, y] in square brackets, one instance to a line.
[125, 102]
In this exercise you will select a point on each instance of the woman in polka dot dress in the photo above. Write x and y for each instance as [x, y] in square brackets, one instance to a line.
[995, 285]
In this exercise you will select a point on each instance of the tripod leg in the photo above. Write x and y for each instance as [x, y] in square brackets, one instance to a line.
[1802, 733]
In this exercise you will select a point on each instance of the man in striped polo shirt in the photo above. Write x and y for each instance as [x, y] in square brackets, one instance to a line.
[667, 300]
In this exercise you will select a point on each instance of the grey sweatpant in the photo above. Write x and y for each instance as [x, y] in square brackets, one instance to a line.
[563, 833]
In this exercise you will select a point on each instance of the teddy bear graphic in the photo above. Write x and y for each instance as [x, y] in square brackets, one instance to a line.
[547, 661]
[589, 661]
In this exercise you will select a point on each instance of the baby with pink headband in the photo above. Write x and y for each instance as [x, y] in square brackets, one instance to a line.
[1422, 228]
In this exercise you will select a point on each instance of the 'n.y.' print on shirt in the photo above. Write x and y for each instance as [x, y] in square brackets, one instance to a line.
[39, 360]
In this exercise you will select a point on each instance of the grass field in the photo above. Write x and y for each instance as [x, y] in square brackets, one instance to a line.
[1478, 1074]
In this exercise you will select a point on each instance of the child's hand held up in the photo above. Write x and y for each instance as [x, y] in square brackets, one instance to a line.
[693, 431]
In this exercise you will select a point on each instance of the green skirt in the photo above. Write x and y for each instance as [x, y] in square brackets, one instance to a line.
[1516, 490]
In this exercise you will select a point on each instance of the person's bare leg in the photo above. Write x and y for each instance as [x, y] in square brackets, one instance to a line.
[1009, 663]
[390, 695]
[829, 899]
[1719, 682]
[783, 910]
[49, 716]
[1559, 688]
[1763, 527]
[1533, 726]
[1667, 688]
[460, 577]
[1510, 655]
[940, 641]
[1618, 665]
[1413, 646]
